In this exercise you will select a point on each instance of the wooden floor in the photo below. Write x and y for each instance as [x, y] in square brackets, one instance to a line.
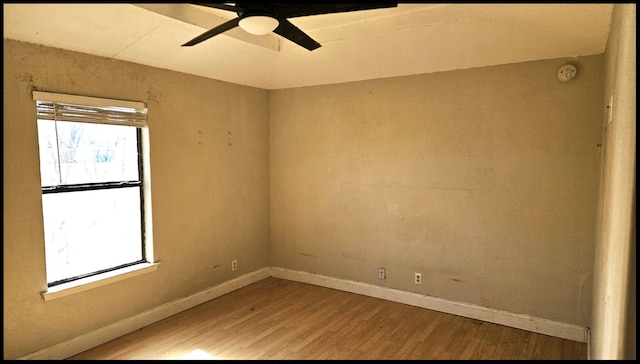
[282, 319]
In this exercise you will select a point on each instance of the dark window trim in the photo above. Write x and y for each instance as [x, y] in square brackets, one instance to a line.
[90, 186]
[102, 186]
[71, 279]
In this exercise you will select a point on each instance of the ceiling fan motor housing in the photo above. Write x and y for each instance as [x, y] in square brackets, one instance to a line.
[255, 10]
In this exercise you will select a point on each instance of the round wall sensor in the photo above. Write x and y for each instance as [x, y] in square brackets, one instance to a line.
[567, 72]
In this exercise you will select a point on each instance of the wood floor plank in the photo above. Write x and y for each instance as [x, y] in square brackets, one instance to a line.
[287, 320]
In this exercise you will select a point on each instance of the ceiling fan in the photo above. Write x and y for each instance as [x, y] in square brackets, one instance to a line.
[261, 19]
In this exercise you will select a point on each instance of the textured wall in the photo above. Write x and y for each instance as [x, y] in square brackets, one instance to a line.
[484, 180]
[209, 177]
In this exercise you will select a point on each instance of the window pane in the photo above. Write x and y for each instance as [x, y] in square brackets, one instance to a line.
[87, 231]
[49, 173]
[97, 152]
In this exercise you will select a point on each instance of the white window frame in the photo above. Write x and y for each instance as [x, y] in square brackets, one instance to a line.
[150, 265]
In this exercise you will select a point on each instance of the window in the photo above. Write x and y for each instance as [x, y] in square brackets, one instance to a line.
[95, 197]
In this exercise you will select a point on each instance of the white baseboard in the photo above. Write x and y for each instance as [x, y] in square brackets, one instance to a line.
[588, 343]
[518, 321]
[120, 328]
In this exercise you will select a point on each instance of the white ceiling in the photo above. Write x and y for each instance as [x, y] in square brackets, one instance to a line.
[408, 39]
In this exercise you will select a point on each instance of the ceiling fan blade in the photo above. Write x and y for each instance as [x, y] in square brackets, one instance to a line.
[295, 10]
[214, 31]
[291, 32]
[226, 6]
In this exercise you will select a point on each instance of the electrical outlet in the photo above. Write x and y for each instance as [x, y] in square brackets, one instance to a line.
[418, 278]
[234, 264]
[381, 273]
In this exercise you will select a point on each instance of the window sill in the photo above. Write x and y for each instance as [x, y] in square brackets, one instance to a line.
[98, 280]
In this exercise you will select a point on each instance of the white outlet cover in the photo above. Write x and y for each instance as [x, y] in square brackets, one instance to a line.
[567, 72]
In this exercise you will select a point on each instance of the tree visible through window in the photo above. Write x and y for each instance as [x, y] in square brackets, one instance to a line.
[92, 187]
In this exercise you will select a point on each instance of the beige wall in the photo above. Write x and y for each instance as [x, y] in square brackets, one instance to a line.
[614, 307]
[484, 180]
[209, 168]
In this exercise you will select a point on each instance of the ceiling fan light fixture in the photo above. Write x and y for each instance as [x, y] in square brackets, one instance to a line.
[258, 24]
